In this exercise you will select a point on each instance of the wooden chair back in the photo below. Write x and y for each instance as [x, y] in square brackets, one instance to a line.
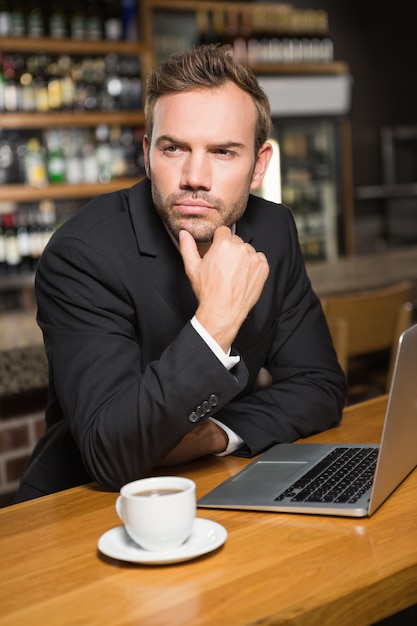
[369, 321]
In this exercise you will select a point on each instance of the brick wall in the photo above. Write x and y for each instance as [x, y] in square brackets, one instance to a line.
[22, 422]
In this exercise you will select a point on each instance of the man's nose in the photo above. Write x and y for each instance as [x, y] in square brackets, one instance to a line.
[196, 172]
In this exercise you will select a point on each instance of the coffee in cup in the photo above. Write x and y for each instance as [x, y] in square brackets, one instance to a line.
[158, 512]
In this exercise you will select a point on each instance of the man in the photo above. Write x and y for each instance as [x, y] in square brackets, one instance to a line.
[161, 304]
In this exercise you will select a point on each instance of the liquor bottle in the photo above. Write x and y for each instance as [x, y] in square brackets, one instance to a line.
[6, 158]
[94, 24]
[17, 145]
[35, 21]
[9, 165]
[54, 87]
[2, 83]
[89, 91]
[5, 19]
[47, 222]
[118, 160]
[17, 20]
[3, 263]
[35, 235]
[23, 240]
[40, 83]
[67, 83]
[129, 20]
[78, 22]
[11, 85]
[35, 167]
[27, 89]
[11, 248]
[113, 27]
[103, 154]
[113, 84]
[55, 158]
[73, 157]
[90, 165]
[58, 28]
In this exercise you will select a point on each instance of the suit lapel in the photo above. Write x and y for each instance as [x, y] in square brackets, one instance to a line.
[159, 254]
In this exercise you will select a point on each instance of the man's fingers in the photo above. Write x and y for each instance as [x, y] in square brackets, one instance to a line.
[188, 249]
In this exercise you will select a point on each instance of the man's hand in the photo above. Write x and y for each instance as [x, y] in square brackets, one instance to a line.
[227, 282]
[206, 438]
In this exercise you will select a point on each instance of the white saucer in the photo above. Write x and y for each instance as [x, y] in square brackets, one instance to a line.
[205, 537]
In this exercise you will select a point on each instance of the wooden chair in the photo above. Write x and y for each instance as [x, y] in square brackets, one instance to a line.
[369, 322]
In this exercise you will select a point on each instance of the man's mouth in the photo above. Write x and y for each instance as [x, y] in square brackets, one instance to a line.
[194, 207]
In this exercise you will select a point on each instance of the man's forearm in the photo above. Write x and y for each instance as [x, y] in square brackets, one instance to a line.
[206, 438]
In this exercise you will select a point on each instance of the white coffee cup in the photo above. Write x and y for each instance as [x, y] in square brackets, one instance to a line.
[158, 512]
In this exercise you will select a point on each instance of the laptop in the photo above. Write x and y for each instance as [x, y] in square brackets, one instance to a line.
[334, 479]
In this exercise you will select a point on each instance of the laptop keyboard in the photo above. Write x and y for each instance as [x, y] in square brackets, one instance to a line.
[344, 475]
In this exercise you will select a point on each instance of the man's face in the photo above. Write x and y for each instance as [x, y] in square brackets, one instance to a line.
[201, 159]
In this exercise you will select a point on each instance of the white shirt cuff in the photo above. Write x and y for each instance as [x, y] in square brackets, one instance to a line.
[229, 362]
[234, 440]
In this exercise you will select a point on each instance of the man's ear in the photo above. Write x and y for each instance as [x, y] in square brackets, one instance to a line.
[261, 165]
[145, 146]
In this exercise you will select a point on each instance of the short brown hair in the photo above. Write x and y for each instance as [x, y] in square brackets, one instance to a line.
[206, 66]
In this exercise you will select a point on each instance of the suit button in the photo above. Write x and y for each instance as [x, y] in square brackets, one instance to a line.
[206, 406]
[200, 411]
[213, 400]
[193, 417]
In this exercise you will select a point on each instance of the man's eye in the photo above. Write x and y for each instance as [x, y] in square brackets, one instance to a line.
[170, 148]
[223, 152]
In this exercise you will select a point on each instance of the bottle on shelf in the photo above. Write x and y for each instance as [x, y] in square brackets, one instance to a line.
[55, 158]
[57, 25]
[35, 20]
[27, 91]
[3, 261]
[11, 248]
[17, 20]
[64, 64]
[113, 27]
[35, 235]
[23, 241]
[94, 24]
[73, 142]
[9, 173]
[35, 166]
[40, 82]
[5, 19]
[2, 83]
[118, 156]
[103, 153]
[47, 221]
[78, 22]
[129, 20]
[11, 85]
[90, 165]
[54, 87]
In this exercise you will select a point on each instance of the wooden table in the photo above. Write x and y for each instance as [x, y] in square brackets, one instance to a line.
[273, 568]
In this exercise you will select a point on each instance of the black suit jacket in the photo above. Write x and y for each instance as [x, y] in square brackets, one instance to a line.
[129, 375]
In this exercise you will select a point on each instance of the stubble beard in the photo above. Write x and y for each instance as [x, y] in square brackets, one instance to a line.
[200, 227]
